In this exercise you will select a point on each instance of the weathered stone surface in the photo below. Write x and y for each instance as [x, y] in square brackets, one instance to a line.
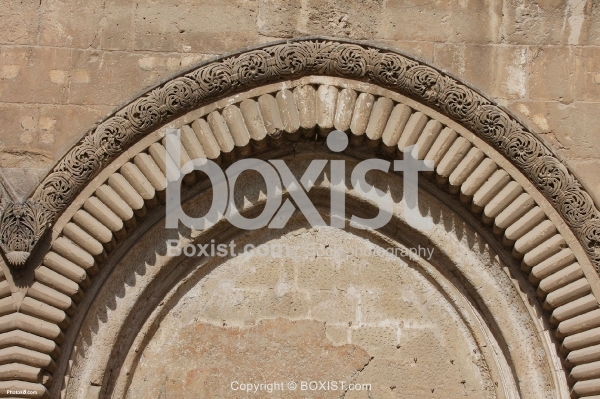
[590, 32]
[288, 350]
[33, 136]
[542, 22]
[312, 317]
[211, 27]
[501, 71]
[358, 20]
[465, 21]
[551, 80]
[586, 74]
[18, 22]
[278, 18]
[63, 25]
[90, 70]
[38, 75]
[16, 181]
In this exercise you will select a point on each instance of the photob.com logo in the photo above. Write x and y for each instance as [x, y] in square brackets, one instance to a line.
[278, 177]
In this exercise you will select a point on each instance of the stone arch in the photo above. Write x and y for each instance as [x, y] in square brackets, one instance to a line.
[262, 100]
[138, 292]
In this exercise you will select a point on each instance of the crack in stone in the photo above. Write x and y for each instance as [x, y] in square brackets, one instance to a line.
[355, 376]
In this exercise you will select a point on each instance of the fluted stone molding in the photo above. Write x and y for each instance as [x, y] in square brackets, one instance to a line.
[331, 58]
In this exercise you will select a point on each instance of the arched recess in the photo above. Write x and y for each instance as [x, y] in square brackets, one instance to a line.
[296, 92]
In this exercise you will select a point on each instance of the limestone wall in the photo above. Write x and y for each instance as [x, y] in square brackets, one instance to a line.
[66, 64]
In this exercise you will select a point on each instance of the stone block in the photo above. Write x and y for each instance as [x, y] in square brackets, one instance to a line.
[475, 21]
[385, 307]
[549, 79]
[334, 306]
[223, 303]
[137, 72]
[278, 18]
[35, 136]
[61, 26]
[357, 20]
[587, 73]
[465, 21]
[415, 19]
[498, 71]
[377, 341]
[590, 30]
[292, 304]
[116, 25]
[212, 27]
[34, 75]
[106, 25]
[18, 129]
[18, 22]
[279, 275]
[537, 22]
[319, 273]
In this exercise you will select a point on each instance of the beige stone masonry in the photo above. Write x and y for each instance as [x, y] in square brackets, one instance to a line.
[493, 188]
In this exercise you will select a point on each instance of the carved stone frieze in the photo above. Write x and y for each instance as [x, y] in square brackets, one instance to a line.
[294, 59]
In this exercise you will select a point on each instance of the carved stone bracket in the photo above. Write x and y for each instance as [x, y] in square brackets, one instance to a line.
[289, 60]
[21, 226]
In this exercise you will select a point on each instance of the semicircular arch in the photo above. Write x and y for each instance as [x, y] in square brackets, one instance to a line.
[276, 99]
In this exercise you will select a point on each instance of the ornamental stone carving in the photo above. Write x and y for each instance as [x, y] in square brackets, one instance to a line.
[295, 59]
[21, 226]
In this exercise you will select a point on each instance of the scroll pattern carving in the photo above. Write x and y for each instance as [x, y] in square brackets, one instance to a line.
[326, 57]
